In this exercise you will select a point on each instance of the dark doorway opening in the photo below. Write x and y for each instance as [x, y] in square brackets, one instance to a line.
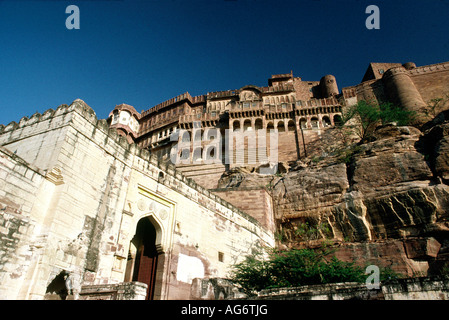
[144, 259]
[59, 287]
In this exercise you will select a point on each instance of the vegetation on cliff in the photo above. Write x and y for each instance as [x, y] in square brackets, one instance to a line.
[382, 200]
[296, 267]
[368, 116]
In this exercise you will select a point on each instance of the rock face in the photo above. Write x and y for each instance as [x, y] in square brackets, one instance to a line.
[385, 202]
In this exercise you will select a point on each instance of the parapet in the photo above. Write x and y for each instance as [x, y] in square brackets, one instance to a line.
[173, 177]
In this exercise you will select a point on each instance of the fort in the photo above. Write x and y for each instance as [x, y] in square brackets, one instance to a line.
[97, 202]
[299, 110]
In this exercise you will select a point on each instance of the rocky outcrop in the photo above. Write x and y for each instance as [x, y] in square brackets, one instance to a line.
[391, 193]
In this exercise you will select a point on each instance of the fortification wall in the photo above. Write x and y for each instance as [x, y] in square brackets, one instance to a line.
[20, 183]
[69, 228]
[39, 138]
[255, 201]
[436, 288]
[102, 187]
[431, 81]
[288, 145]
[408, 86]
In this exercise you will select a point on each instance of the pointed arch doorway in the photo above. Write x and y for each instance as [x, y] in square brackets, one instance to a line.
[143, 256]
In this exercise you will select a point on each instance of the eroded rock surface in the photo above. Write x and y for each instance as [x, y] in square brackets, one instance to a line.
[386, 201]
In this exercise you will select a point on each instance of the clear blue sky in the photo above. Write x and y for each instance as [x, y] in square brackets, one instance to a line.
[145, 52]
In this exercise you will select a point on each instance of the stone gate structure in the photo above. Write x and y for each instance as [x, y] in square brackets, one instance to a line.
[81, 205]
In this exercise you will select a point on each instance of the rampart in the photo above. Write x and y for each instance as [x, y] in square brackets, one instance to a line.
[75, 191]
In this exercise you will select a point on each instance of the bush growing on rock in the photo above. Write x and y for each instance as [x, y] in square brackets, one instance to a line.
[292, 268]
[367, 116]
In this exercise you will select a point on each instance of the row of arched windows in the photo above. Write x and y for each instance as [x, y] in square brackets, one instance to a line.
[313, 122]
[282, 125]
[278, 100]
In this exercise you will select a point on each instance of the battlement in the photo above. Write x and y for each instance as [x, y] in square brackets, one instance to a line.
[182, 97]
[285, 75]
[281, 87]
[437, 67]
[279, 79]
[74, 195]
[109, 140]
[223, 94]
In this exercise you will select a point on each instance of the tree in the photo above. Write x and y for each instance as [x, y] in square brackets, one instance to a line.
[389, 112]
[252, 274]
[367, 116]
[291, 268]
[436, 105]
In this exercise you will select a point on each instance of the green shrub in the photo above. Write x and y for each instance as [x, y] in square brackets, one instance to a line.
[293, 268]
[369, 115]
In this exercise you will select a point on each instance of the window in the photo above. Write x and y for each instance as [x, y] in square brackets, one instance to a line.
[115, 119]
[247, 125]
[220, 256]
[236, 125]
[281, 127]
[337, 120]
[381, 71]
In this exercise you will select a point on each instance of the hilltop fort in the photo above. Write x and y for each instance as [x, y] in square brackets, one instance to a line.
[94, 208]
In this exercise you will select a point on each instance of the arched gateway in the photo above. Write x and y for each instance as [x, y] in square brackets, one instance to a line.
[142, 264]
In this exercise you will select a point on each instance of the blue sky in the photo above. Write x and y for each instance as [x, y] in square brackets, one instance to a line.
[145, 52]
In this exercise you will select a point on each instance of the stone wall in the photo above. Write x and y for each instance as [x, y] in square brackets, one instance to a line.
[122, 291]
[21, 184]
[214, 289]
[431, 81]
[37, 139]
[101, 187]
[408, 86]
[288, 145]
[255, 201]
[401, 289]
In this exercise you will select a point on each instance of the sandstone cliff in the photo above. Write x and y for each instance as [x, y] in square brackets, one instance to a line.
[385, 202]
